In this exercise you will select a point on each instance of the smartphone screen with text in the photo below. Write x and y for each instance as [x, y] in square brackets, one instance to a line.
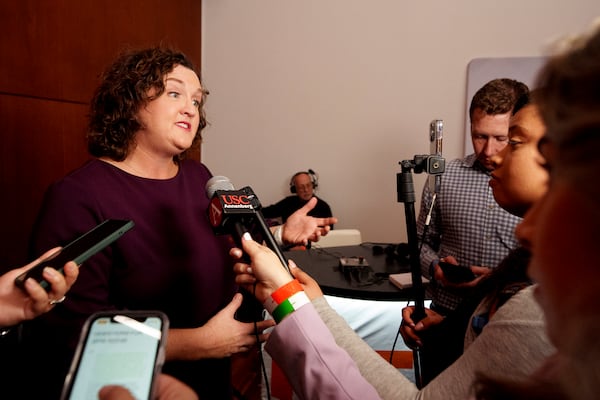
[118, 348]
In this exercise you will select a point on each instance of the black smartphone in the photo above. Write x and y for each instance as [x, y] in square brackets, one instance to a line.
[78, 250]
[125, 348]
[457, 273]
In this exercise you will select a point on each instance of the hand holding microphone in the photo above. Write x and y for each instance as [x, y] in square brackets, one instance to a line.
[262, 274]
[236, 212]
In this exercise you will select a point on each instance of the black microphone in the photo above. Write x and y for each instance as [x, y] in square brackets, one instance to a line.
[236, 212]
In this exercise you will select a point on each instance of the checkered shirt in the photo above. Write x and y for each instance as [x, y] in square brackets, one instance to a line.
[466, 223]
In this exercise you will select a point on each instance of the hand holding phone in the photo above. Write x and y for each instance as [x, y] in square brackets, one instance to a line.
[456, 273]
[78, 250]
[125, 348]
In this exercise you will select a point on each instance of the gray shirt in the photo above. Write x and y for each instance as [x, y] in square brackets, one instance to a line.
[513, 343]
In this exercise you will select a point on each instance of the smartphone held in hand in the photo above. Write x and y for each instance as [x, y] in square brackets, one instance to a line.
[125, 348]
[457, 273]
[79, 250]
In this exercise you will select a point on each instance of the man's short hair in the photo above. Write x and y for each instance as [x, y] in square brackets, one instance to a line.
[498, 96]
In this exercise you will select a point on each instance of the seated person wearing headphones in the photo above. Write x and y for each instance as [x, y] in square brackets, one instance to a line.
[302, 185]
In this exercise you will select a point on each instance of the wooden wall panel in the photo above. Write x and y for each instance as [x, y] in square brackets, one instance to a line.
[42, 141]
[50, 63]
[57, 48]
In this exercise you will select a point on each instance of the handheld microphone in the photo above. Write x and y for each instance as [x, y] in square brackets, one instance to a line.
[236, 212]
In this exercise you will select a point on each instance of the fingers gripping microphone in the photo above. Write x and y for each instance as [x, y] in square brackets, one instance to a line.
[235, 212]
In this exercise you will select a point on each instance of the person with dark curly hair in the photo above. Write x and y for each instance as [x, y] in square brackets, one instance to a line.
[145, 115]
[561, 230]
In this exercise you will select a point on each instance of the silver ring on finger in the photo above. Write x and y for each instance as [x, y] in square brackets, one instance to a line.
[54, 302]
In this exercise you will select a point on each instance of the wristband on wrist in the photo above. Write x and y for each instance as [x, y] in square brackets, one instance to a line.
[290, 305]
[282, 294]
[285, 300]
[278, 235]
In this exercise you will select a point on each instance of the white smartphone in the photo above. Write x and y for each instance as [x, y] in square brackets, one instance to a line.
[124, 348]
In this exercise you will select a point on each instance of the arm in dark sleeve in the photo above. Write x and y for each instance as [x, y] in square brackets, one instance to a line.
[54, 335]
[326, 210]
[273, 211]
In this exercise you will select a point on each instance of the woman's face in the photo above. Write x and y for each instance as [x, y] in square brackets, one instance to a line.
[562, 233]
[169, 122]
[519, 178]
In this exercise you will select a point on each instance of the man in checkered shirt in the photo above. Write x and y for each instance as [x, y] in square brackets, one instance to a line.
[467, 226]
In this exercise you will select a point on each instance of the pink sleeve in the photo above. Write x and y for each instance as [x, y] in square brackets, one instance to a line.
[315, 366]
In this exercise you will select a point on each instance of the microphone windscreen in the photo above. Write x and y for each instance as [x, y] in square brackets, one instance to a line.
[218, 183]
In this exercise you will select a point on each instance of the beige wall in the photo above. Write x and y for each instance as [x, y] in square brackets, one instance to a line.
[348, 88]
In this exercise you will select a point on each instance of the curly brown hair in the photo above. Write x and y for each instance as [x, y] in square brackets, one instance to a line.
[498, 96]
[134, 79]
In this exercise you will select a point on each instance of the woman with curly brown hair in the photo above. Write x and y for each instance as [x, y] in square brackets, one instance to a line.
[145, 115]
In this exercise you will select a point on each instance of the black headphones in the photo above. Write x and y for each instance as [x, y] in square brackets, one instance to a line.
[314, 179]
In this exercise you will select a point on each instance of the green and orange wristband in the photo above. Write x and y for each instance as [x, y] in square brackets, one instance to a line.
[285, 300]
